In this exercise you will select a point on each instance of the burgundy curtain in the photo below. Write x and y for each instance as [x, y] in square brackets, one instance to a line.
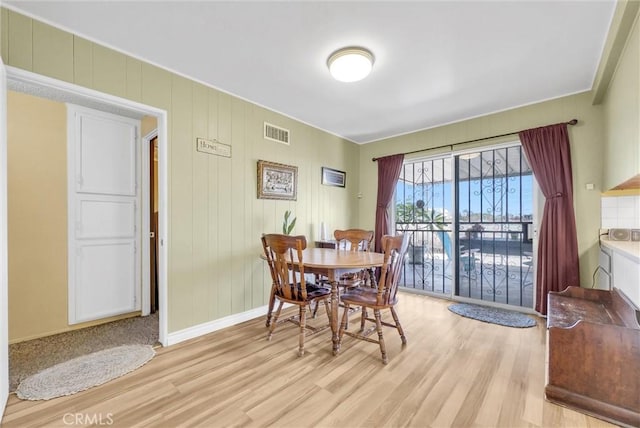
[549, 155]
[389, 168]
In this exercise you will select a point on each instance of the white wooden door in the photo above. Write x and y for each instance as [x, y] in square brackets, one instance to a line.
[4, 298]
[104, 215]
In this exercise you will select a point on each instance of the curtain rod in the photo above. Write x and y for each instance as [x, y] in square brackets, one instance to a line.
[571, 122]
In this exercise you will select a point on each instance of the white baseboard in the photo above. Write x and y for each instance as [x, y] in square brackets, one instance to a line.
[211, 326]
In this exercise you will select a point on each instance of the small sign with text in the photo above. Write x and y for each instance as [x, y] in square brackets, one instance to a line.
[213, 147]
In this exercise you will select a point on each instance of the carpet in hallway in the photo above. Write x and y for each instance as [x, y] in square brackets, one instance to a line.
[30, 357]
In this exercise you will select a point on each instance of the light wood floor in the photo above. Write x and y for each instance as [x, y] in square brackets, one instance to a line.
[453, 372]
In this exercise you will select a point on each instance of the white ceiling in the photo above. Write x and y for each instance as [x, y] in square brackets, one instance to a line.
[436, 62]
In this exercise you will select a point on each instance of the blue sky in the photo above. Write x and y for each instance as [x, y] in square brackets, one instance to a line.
[438, 196]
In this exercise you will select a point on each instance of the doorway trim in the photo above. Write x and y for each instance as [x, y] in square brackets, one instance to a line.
[146, 221]
[47, 87]
[4, 296]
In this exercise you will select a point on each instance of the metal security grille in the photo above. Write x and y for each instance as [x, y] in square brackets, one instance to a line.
[423, 199]
[482, 249]
[494, 226]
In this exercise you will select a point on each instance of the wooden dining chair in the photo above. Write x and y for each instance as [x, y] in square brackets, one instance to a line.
[284, 257]
[358, 239]
[355, 240]
[382, 297]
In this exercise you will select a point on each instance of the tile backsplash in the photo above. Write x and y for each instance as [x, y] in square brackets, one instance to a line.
[620, 212]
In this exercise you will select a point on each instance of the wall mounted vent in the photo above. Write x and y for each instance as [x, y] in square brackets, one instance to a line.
[275, 133]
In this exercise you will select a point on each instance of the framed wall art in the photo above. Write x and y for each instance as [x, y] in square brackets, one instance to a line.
[333, 177]
[277, 181]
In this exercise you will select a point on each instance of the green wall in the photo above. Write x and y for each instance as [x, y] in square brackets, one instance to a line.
[215, 219]
[586, 155]
[622, 115]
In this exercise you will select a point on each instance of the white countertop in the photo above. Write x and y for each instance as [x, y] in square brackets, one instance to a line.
[630, 249]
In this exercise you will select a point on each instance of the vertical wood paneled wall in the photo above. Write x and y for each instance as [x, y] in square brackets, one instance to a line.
[215, 218]
[622, 112]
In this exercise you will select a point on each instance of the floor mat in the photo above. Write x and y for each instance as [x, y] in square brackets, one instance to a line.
[493, 315]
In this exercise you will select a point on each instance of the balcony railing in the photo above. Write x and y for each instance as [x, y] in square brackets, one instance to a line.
[494, 263]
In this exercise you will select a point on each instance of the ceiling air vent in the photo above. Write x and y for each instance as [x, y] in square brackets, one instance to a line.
[275, 133]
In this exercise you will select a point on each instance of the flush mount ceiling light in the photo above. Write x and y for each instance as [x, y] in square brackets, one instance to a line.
[350, 64]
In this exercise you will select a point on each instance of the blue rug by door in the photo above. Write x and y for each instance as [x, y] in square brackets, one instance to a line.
[493, 315]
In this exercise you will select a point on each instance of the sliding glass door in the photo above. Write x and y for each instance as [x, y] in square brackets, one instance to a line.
[494, 232]
[471, 219]
[423, 209]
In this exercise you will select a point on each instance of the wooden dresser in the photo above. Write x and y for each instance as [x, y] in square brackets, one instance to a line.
[593, 345]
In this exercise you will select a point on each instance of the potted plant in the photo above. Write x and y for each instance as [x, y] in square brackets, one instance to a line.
[431, 220]
[474, 231]
[288, 224]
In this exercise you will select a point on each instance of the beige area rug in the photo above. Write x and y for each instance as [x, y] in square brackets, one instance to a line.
[33, 356]
[84, 372]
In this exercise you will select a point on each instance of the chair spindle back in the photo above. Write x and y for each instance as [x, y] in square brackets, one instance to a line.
[395, 249]
[284, 256]
[359, 239]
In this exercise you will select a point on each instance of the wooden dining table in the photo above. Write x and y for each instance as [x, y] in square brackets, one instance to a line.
[332, 263]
